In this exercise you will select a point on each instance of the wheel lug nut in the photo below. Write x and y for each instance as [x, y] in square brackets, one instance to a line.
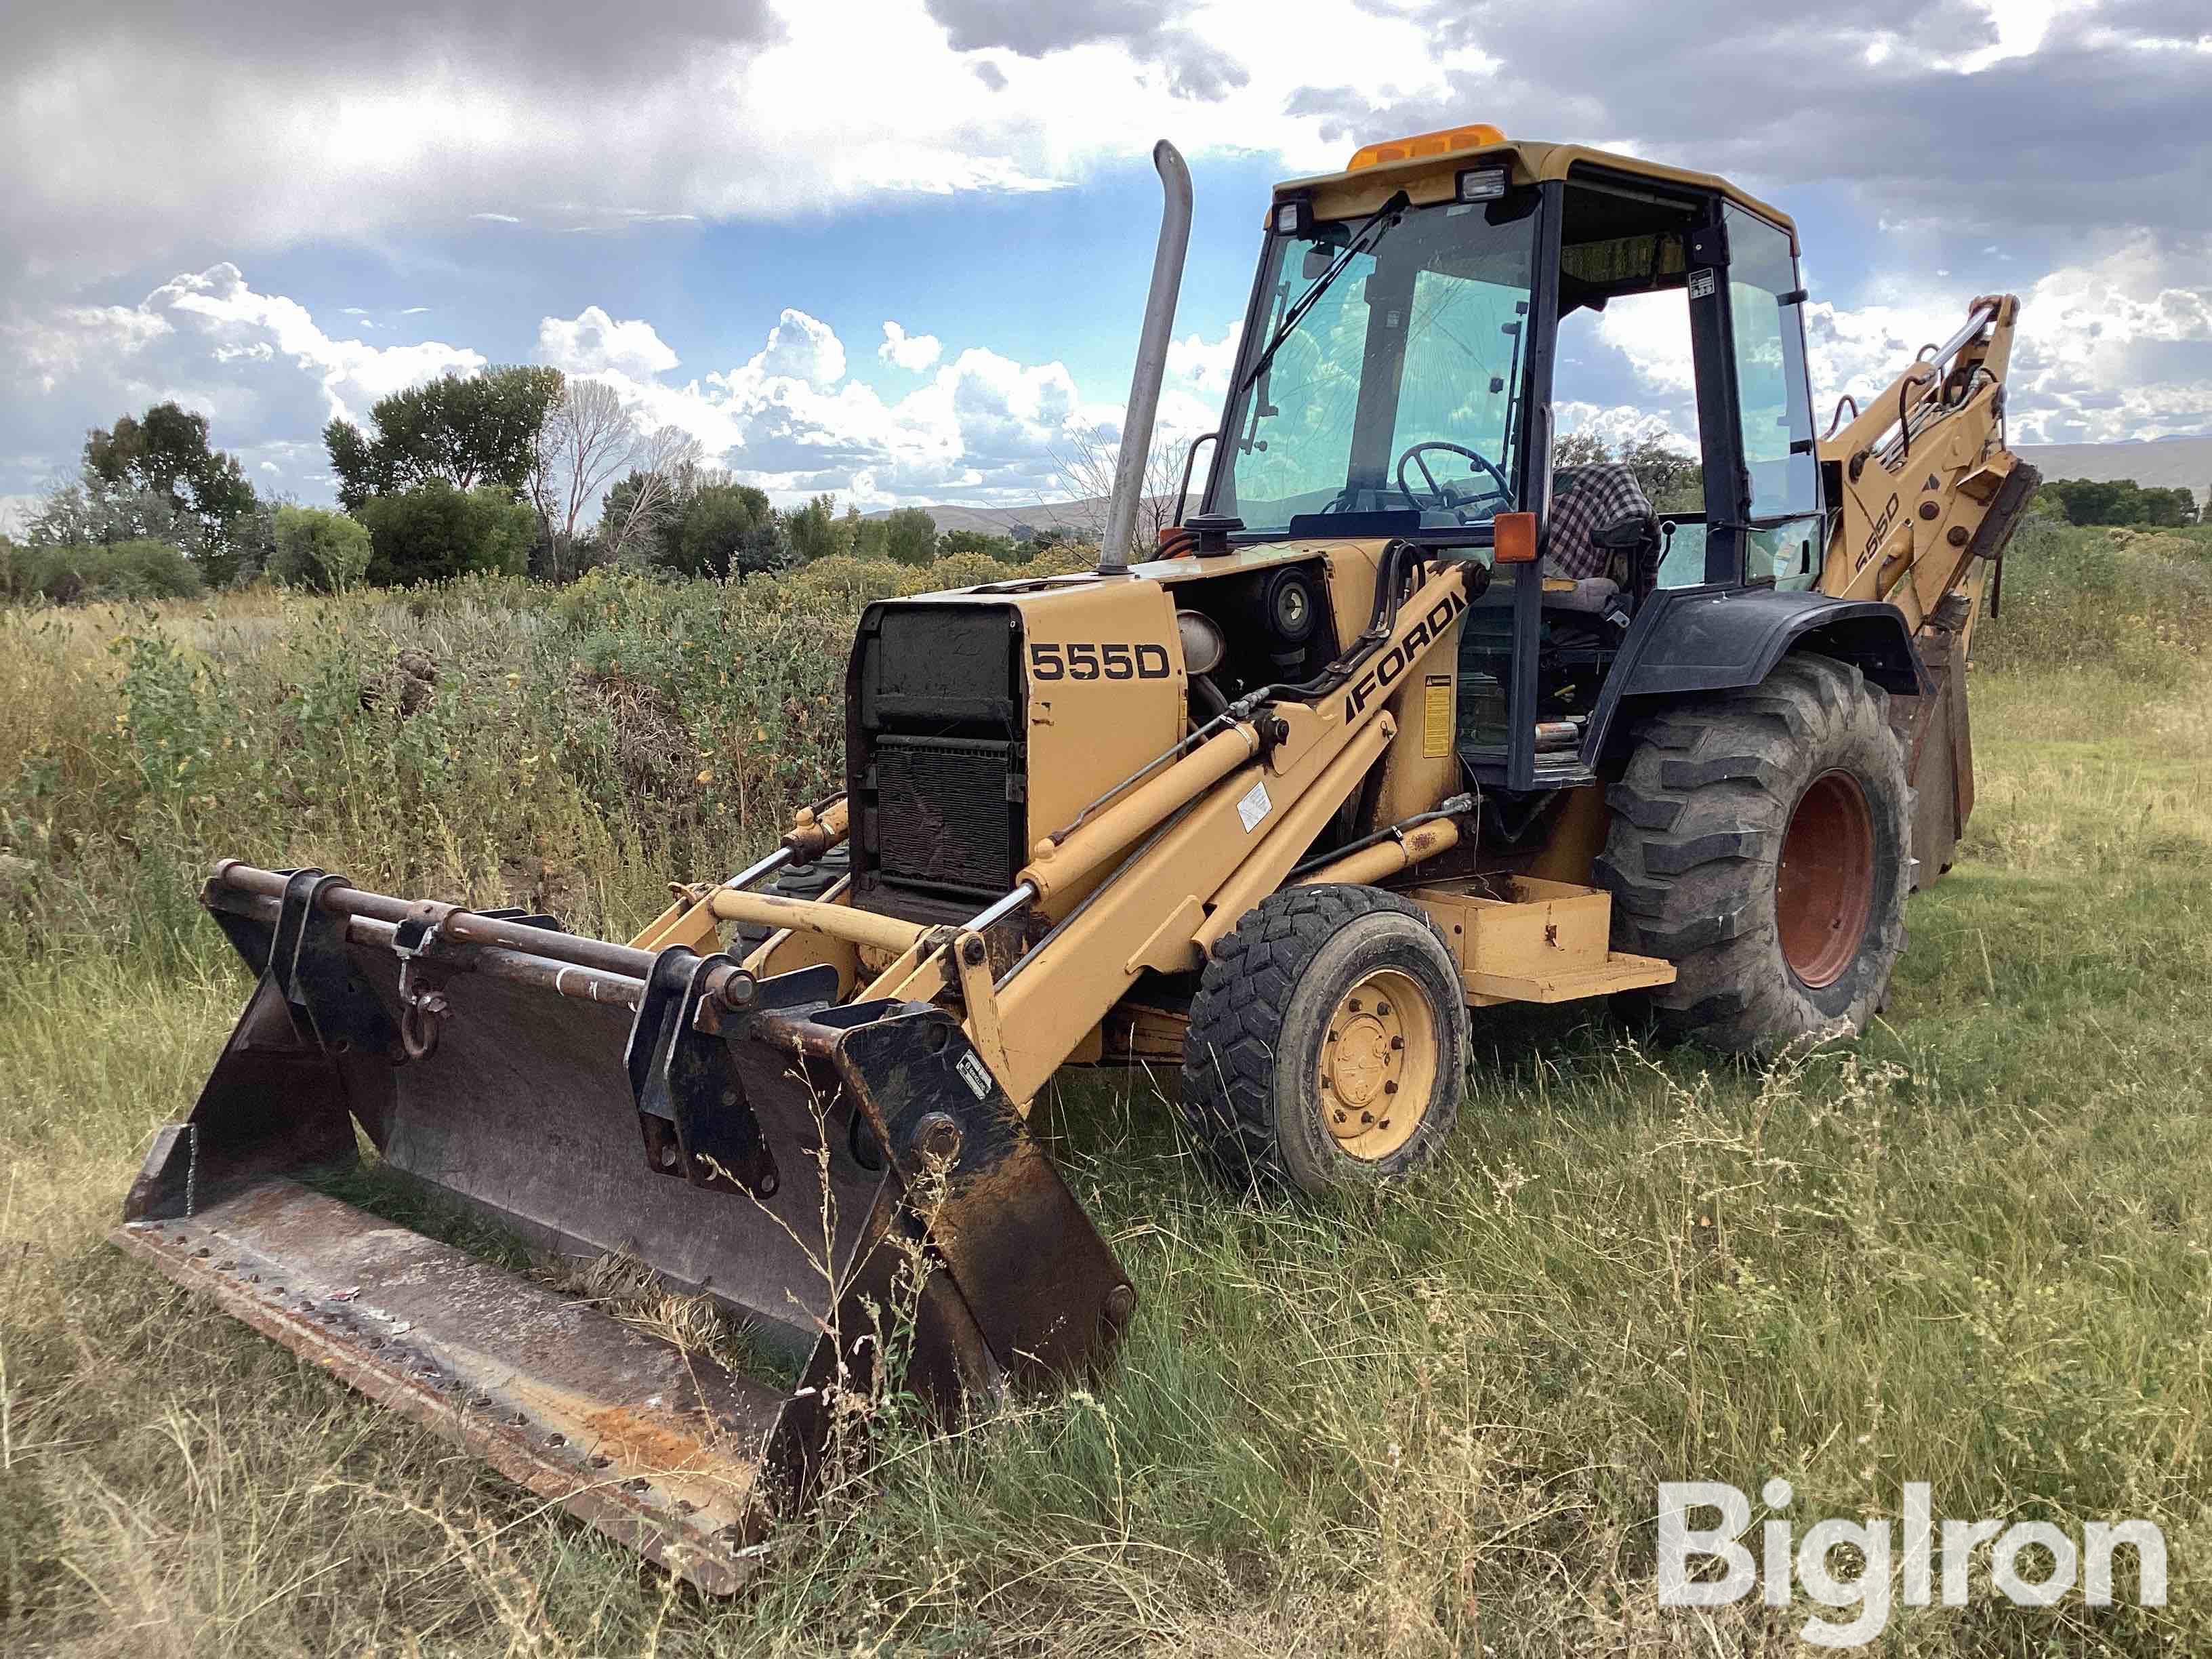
[1389, 1086]
[1367, 1117]
[1383, 1008]
[1397, 1042]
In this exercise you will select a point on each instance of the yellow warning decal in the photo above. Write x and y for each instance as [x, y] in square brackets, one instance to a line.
[1437, 717]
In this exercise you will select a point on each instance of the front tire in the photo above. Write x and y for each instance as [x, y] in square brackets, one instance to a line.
[1760, 842]
[1327, 1042]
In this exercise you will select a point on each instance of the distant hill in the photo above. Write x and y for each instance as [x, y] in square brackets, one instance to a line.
[2158, 463]
[1083, 517]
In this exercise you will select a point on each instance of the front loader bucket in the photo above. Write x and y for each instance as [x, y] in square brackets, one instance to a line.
[849, 1179]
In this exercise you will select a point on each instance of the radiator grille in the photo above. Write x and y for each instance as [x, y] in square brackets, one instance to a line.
[943, 819]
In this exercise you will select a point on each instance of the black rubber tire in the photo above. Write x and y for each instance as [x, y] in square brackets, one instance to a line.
[1692, 856]
[1249, 1097]
[806, 882]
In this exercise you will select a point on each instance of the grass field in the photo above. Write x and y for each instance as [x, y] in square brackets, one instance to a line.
[1973, 1249]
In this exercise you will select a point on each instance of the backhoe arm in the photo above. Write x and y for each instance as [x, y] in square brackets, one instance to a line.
[1929, 492]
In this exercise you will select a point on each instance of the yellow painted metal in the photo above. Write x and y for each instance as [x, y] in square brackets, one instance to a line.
[837, 921]
[1547, 942]
[1578, 836]
[1907, 521]
[687, 922]
[1053, 869]
[1100, 704]
[1378, 1065]
[1434, 177]
[1386, 858]
[1133, 1031]
[980, 1002]
[1310, 809]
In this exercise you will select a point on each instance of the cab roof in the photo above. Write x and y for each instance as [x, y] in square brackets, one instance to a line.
[1426, 167]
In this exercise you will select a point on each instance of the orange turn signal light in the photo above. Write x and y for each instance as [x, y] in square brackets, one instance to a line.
[1513, 538]
[1476, 136]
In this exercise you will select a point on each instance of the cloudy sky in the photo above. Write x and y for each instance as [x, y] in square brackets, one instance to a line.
[893, 248]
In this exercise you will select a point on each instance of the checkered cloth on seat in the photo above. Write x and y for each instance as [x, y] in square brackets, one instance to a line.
[1587, 501]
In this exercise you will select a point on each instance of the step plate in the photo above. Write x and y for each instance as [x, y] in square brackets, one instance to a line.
[661, 1452]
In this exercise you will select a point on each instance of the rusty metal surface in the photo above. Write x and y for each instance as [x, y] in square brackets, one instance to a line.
[893, 1176]
[525, 1112]
[660, 1450]
[1046, 1290]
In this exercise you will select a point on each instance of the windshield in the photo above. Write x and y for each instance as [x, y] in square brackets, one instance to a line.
[1400, 388]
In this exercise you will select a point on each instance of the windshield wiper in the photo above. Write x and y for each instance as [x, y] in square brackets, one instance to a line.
[1371, 231]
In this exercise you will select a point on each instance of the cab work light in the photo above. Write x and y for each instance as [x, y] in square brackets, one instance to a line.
[1481, 183]
[1294, 216]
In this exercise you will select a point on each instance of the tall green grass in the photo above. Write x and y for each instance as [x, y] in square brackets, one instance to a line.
[1973, 1249]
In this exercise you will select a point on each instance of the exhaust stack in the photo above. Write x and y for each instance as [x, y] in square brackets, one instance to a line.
[1151, 359]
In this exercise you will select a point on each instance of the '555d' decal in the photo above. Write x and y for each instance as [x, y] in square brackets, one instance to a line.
[1403, 655]
[1098, 662]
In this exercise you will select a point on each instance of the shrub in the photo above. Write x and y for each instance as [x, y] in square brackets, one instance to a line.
[436, 530]
[82, 574]
[319, 549]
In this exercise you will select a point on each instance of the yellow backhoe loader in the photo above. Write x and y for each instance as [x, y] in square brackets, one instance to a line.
[1405, 721]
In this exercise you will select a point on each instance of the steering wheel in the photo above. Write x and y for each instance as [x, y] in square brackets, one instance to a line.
[1448, 500]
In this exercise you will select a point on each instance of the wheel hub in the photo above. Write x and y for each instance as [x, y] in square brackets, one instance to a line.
[1377, 1065]
[1823, 890]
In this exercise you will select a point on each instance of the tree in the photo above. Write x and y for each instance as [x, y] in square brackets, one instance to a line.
[634, 513]
[1084, 470]
[871, 537]
[1579, 449]
[717, 522]
[468, 429]
[316, 548]
[2169, 509]
[586, 438]
[79, 516]
[436, 530]
[1673, 482]
[1004, 549]
[909, 535]
[816, 531]
[157, 475]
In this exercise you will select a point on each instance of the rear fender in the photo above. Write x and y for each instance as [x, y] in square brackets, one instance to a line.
[1690, 639]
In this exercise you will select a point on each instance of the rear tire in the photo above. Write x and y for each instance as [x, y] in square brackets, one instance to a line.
[1327, 1042]
[1761, 842]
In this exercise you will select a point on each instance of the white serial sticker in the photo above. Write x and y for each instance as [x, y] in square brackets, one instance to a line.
[1255, 805]
[1701, 284]
[974, 1074]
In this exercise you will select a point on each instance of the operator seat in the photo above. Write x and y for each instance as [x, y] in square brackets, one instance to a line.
[1600, 535]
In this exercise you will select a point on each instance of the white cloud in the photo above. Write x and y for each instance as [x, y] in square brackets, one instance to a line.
[913, 352]
[258, 364]
[1621, 423]
[595, 343]
[800, 348]
[1206, 364]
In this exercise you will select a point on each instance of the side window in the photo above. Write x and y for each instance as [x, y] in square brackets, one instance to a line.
[1774, 401]
[1621, 385]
